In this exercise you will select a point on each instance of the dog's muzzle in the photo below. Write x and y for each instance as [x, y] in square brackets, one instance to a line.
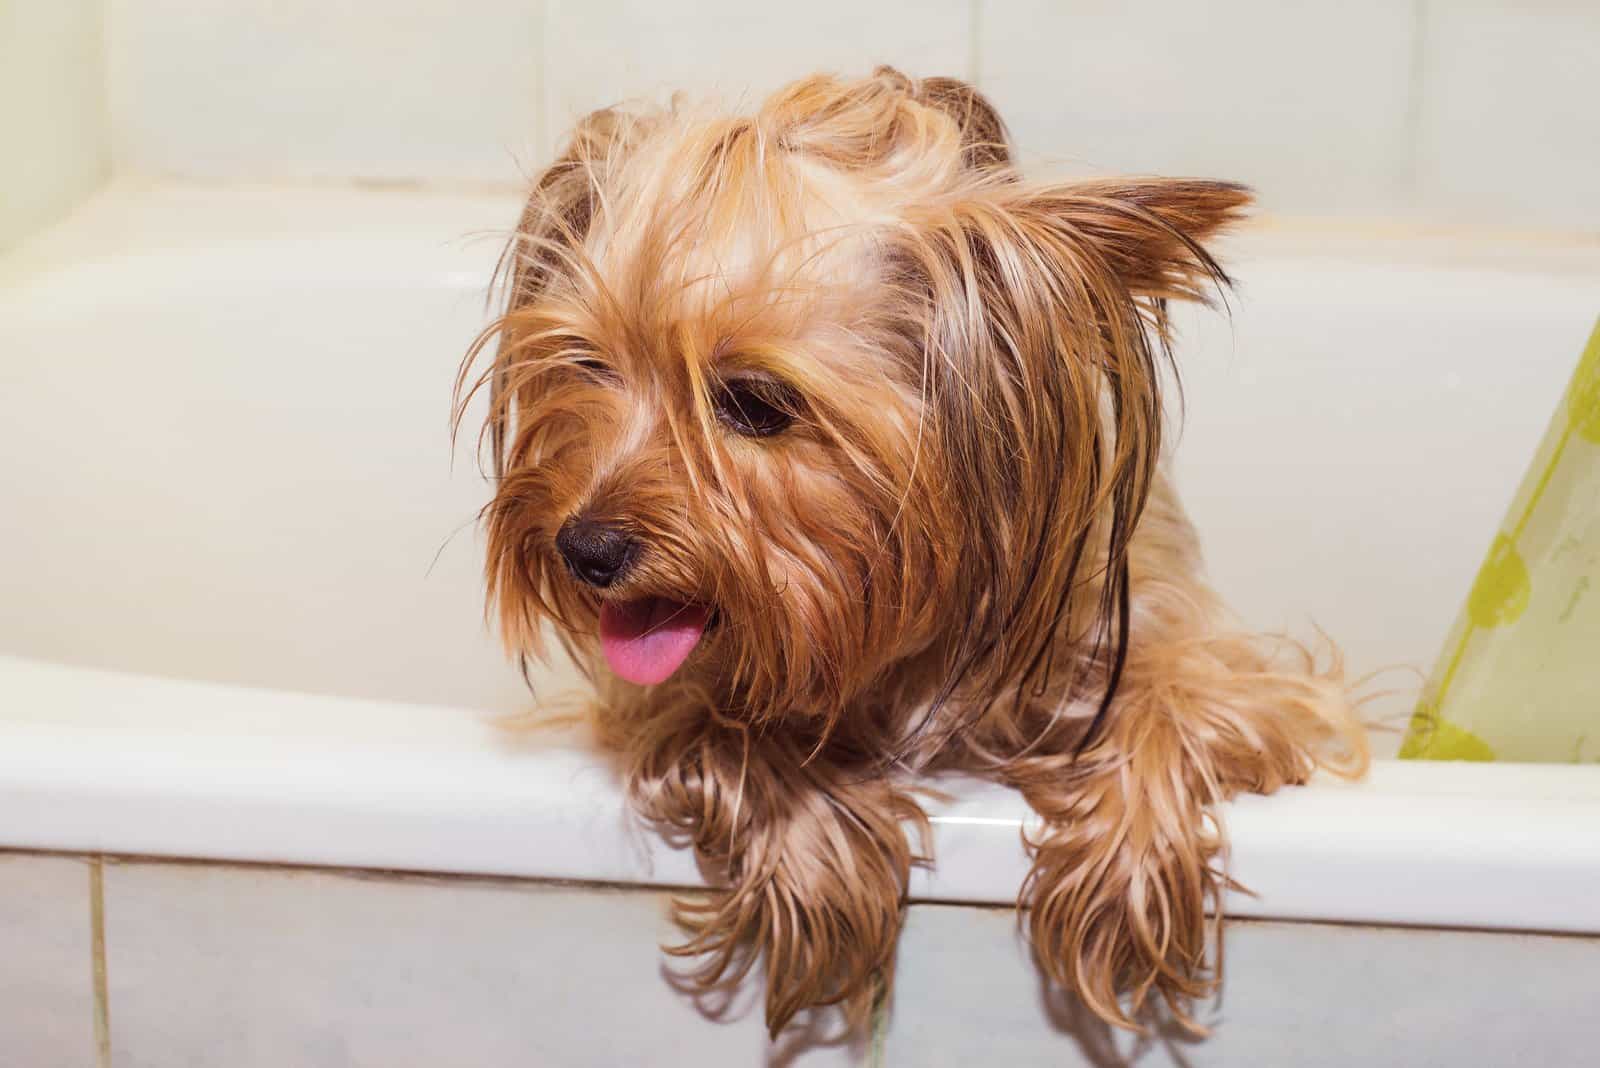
[595, 552]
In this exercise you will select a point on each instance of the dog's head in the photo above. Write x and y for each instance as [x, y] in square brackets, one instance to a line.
[794, 405]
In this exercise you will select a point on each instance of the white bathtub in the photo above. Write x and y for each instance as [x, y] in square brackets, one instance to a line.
[241, 625]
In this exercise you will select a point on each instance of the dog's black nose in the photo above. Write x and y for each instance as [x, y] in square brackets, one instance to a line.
[598, 553]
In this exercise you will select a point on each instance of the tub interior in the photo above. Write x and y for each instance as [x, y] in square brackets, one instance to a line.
[228, 436]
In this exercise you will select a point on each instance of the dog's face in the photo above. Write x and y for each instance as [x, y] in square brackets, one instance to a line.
[792, 406]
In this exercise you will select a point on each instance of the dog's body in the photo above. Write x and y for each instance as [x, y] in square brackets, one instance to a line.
[831, 447]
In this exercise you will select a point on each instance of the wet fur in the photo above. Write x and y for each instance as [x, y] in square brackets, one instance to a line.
[965, 554]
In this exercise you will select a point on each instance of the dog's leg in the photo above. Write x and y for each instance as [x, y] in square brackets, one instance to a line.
[1132, 854]
[812, 863]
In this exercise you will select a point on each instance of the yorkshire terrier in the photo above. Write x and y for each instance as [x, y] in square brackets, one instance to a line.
[830, 445]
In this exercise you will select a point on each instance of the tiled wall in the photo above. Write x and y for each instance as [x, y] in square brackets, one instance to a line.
[52, 111]
[47, 989]
[262, 967]
[1475, 111]
[266, 89]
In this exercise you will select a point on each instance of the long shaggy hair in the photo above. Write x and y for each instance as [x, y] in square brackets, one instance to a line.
[871, 425]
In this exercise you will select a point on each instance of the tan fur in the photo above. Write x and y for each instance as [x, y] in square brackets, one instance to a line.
[963, 554]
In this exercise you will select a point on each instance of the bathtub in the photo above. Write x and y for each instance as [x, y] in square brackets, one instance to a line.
[260, 803]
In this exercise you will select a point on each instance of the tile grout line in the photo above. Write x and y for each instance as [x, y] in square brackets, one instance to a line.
[1416, 86]
[975, 43]
[112, 166]
[541, 119]
[97, 930]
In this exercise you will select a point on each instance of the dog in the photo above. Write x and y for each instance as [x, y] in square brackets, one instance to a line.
[830, 446]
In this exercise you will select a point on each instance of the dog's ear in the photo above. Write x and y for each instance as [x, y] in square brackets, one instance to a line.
[563, 203]
[983, 134]
[548, 240]
[1150, 232]
[1042, 327]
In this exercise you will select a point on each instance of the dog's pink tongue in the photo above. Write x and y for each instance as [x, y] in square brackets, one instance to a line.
[645, 641]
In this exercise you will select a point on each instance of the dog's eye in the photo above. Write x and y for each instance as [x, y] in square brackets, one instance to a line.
[756, 407]
[594, 367]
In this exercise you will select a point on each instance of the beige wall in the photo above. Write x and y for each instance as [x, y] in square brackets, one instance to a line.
[53, 146]
[1441, 111]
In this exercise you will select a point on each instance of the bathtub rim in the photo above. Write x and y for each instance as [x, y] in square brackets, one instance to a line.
[112, 762]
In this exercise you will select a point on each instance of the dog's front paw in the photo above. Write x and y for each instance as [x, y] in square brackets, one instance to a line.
[814, 887]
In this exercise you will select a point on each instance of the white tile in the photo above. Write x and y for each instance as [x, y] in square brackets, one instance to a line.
[599, 53]
[260, 89]
[1311, 995]
[1307, 102]
[1510, 116]
[255, 966]
[52, 109]
[46, 968]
